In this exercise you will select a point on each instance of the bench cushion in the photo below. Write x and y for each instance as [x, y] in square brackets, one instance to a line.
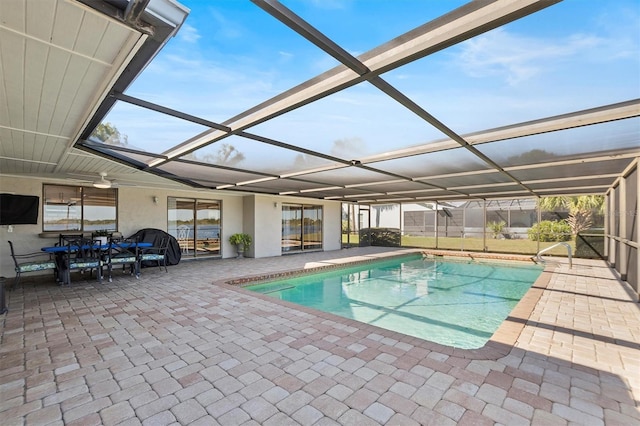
[124, 259]
[36, 266]
[152, 256]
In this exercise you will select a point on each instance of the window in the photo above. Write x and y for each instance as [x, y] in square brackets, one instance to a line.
[78, 208]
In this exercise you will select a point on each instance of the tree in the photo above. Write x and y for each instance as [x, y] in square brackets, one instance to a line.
[109, 134]
[227, 155]
[381, 208]
[580, 209]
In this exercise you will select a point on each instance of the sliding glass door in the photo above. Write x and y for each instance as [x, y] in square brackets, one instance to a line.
[291, 228]
[301, 228]
[312, 227]
[196, 224]
[207, 231]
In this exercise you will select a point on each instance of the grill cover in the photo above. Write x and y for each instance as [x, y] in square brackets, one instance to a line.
[155, 236]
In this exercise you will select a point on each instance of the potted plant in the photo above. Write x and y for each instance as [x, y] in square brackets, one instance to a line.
[241, 241]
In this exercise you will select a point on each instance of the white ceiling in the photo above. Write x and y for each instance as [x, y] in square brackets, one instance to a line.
[58, 61]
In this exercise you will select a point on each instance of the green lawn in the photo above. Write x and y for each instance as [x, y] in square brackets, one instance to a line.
[518, 246]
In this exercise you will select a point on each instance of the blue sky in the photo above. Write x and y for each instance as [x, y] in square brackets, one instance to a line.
[231, 55]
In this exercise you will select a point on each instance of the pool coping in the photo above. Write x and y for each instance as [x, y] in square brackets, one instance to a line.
[320, 266]
[499, 345]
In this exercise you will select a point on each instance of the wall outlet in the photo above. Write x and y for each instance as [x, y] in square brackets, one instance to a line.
[10, 228]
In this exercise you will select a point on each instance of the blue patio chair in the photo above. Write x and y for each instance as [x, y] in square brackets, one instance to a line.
[30, 262]
[82, 254]
[63, 239]
[123, 252]
[156, 254]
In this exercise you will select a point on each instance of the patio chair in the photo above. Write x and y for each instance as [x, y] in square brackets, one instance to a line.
[63, 239]
[82, 254]
[123, 252]
[183, 238]
[156, 254]
[103, 236]
[30, 262]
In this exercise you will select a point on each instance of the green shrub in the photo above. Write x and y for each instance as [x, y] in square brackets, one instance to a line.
[550, 231]
[384, 237]
[496, 228]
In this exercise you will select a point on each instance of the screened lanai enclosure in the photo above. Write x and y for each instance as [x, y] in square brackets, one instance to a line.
[395, 123]
[506, 226]
[447, 121]
[604, 228]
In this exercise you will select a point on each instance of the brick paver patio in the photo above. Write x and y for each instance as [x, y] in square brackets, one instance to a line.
[184, 348]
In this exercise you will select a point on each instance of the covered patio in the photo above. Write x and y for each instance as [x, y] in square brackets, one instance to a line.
[195, 350]
[110, 104]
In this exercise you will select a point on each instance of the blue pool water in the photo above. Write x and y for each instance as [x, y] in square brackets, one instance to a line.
[454, 303]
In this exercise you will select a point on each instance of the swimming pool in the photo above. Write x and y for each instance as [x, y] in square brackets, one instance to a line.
[451, 302]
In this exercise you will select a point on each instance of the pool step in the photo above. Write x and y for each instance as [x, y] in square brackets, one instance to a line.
[274, 289]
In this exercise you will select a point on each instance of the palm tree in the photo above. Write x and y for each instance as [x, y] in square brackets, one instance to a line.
[382, 208]
[580, 209]
[352, 218]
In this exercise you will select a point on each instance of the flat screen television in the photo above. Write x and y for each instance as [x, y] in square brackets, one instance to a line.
[19, 209]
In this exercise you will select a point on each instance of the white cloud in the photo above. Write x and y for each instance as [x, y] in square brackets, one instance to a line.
[225, 28]
[621, 27]
[204, 87]
[188, 34]
[519, 58]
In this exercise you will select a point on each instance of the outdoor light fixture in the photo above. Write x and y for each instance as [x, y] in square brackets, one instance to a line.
[102, 183]
[155, 199]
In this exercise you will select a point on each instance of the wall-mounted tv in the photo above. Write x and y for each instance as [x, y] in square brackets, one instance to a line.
[19, 209]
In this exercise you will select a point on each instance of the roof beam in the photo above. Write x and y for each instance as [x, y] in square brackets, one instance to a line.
[587, 117]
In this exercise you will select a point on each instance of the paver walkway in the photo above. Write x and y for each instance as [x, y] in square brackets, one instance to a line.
[175, 348]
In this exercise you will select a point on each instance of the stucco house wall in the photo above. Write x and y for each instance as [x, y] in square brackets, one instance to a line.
[257, 215]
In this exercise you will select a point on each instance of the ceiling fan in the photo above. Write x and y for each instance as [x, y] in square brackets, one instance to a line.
[102, 183]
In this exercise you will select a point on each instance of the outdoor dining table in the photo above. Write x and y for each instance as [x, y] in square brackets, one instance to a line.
[63, 249]
[60, 250]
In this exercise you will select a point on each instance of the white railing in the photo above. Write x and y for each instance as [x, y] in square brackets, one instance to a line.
[539, 255]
